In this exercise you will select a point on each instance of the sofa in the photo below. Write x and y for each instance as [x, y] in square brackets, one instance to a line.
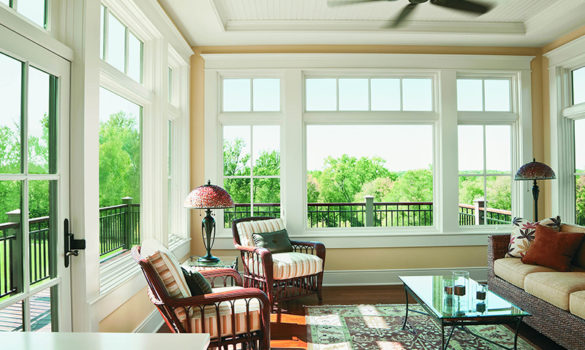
[556, 300]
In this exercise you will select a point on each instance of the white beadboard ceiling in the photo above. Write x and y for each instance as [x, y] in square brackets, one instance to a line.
[280, 22]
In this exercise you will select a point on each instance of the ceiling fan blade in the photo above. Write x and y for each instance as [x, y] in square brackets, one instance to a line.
[463, 5]
[333, 3]
[406, 11]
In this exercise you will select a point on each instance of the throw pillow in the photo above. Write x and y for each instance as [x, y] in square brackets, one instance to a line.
[198, 285]
[579, 258]
[552, 249]
[523, 234]
[276, 242]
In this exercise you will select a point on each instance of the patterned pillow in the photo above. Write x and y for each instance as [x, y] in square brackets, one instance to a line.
[523, 234]
[198, 285]
[247, 228]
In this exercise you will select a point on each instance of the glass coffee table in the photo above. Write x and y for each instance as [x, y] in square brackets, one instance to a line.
[471, 306]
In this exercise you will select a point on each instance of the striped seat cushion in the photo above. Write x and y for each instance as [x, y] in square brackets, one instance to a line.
[247, 228]
[225, 314]
[169, 270]
[290, 265]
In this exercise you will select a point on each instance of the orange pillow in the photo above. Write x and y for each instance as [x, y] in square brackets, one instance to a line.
[552, 249]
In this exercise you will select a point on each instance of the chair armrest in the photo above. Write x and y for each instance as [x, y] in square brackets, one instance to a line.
[256, 256]
[214, 273]
[314, 248]
[497, 249]
[213, 298]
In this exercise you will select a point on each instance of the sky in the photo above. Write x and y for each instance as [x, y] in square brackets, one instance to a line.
[110, 103]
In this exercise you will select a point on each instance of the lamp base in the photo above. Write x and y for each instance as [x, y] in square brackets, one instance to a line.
[208, 259]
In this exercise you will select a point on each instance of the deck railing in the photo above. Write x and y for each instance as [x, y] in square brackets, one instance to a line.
[119, 228]
[369, 213]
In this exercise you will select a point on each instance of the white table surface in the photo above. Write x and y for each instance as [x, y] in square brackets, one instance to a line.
[102, 341]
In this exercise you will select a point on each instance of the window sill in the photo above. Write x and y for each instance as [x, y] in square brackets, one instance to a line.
[120, 279]
[376, 238]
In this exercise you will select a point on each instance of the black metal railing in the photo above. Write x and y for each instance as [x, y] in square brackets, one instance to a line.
[38, 243]
[119, 228]
[244, 210]
[472, 215]
[8, 284]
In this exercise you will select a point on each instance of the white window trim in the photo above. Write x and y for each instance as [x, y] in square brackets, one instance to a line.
[293, 67]
[561, 61]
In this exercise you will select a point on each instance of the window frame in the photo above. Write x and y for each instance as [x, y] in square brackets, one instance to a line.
[294, 67]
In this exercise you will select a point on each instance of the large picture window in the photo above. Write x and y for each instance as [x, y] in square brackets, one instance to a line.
[369, 175]
[35, 10]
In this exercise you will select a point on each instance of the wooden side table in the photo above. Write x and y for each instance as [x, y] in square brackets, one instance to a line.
[230, 262]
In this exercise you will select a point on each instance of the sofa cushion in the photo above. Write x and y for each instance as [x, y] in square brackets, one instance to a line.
[290, 265]
[523, 234]
[577, 303]
[247, 228]
[579, 258]
[552, 249]
[555, 287]
[514, 271]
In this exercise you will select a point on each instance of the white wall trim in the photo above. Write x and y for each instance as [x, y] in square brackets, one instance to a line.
[151, 323]
[390, 276]
[567, 55]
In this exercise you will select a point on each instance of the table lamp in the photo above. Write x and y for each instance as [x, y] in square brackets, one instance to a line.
[535, 171]
[208, 197]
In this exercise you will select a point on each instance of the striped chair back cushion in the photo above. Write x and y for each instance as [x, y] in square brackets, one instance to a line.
[247, 228]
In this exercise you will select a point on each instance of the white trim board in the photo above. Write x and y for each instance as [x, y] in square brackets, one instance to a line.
[151, 324]
[390, 276]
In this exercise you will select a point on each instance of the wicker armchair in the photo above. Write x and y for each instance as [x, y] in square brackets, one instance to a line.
[264, 270]
[227, 309]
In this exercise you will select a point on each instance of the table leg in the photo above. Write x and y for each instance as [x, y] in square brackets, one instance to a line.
[516, 334]
[442, 336]
[406, 316]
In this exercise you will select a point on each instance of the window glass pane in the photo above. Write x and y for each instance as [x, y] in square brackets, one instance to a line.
[469, 95]
[499, 200]
[417, 94]
[385, 94]
[102, 28]
[116, 42]
[10, 98]
[498, 149]
[578, 85]
[236, 95]
[470, 148]
[375, 163]
[239, 190]
[119, 173]
[11, 318]
[134, 58]
[267, 197]
[236, 150]
[266, 94]
[10, 260]
[580, 145]
[40, 311]
[38, 121]
[471, 192]
[33, 10]
[40, 229]
[6, 2]
[497, 95]
[353, 94]
[580, 199]
[321, 94]
[266, 150]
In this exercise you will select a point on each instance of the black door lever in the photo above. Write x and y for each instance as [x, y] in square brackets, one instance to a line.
[72, 245]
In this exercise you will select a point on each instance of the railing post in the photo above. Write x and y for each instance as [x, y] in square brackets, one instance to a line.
[16, 258]
[479, 214]
[369, 211]
[127, 201]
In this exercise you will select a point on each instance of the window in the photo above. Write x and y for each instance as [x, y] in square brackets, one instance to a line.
[121, 48]
[34, 10]
[485, 176]
[580, 171]
[120, 173]
[369, 94]
[245, 95]
[251, 170]
[484, 95]
[383, 177]
[170, 82]
[578, 85]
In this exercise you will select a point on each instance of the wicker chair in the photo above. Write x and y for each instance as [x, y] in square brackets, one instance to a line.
[212, 308]
[259, 268]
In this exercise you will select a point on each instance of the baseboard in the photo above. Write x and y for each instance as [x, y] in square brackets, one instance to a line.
[151, 323]
[390, 276]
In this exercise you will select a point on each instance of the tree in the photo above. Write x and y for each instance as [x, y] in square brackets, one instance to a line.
[580, 200]
[380, 188]
[412, 186]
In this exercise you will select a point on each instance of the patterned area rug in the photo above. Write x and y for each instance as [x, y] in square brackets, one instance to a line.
[372, 327]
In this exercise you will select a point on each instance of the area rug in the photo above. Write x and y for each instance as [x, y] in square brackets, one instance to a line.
[371, 327]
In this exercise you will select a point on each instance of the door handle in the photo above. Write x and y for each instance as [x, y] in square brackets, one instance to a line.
[72, 245]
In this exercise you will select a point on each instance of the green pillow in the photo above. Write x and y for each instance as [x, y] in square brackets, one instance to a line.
[276, 242]
[198, 285]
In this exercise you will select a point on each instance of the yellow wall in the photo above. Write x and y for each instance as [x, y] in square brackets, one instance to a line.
[129, 315]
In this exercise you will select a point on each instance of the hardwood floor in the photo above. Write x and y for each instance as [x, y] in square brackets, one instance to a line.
[289, 332]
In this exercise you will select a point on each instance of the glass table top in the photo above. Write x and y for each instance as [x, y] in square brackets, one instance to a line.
[438, 294]
[224, 261]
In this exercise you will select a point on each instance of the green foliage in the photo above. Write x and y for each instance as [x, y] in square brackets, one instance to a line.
[412, 186]
[580, 197]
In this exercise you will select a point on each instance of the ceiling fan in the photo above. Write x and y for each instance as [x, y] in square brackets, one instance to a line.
[461, 5]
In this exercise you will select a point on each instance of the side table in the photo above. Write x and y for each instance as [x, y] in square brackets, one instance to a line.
[230, 262]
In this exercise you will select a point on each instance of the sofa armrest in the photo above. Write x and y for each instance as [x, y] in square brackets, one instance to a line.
[497, 249]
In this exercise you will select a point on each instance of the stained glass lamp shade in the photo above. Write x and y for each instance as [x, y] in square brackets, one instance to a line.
[208, 197]
[535, 171]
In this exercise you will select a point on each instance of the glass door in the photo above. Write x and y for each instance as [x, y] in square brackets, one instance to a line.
[34, 95]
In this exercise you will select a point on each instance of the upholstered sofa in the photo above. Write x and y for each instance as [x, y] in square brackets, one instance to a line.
[555, 299]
